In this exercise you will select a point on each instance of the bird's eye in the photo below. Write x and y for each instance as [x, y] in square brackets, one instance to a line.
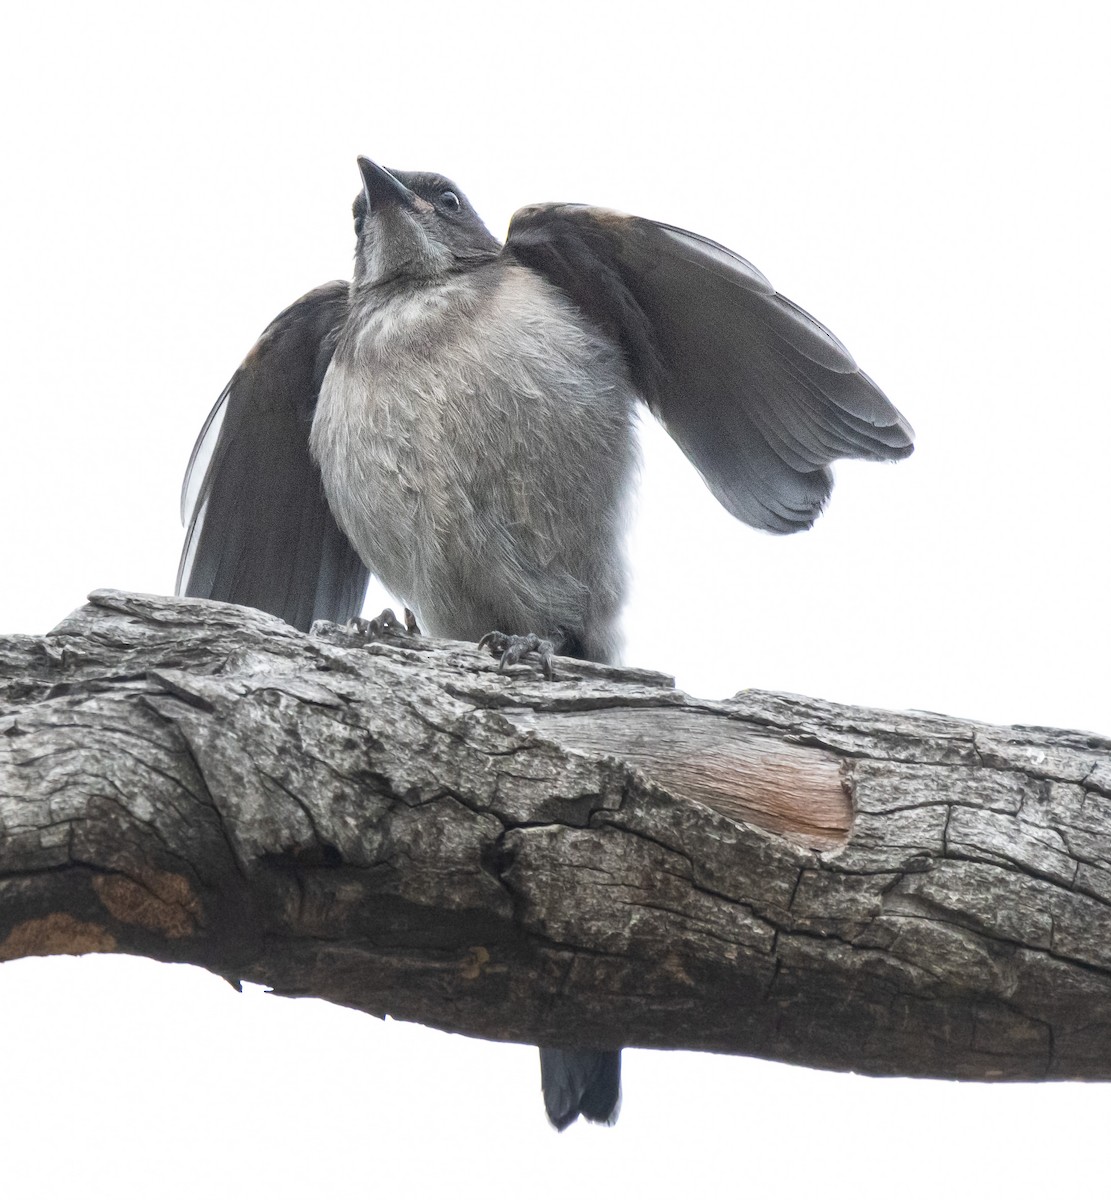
[450, 201]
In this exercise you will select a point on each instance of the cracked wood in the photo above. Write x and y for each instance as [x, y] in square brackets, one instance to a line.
[599, 860]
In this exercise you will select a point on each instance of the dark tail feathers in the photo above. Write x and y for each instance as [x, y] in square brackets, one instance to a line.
[580, 1083]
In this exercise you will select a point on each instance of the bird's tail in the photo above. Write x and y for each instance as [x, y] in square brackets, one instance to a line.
[580, 1083]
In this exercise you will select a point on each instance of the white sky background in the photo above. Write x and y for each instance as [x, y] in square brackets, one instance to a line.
[931, 181]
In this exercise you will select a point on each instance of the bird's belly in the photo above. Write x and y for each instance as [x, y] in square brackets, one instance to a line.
[485, 485]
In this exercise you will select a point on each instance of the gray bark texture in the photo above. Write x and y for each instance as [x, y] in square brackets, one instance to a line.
[598, 860]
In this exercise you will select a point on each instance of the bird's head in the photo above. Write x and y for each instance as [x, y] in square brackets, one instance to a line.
[414, 225]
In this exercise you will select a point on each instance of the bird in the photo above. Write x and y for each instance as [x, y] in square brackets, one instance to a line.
[459, 420]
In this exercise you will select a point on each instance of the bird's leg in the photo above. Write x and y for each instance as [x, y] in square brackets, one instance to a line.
[512, 647]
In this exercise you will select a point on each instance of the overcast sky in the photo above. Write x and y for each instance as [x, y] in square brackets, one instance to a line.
[931, 181]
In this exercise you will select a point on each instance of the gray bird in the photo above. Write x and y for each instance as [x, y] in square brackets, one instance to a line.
[459, 419]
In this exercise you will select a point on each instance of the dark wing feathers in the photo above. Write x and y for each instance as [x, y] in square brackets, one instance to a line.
[709, 255]
[260, 531]
[760, 396]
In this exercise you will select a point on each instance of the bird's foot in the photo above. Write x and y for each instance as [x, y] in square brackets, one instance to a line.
[385, 622]
[514, 646]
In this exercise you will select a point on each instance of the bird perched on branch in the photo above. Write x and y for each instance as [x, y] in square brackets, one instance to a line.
[459, 420]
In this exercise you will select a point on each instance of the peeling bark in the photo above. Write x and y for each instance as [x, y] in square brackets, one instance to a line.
[599, 860]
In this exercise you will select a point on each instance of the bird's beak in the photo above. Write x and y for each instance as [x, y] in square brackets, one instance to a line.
[380, 187]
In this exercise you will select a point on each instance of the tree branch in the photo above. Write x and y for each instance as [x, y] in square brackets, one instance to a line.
[599, 860]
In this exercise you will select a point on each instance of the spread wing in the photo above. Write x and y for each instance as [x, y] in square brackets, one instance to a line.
[760, 396]
[259, 528]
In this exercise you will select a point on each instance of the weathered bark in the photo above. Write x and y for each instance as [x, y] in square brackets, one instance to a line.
[598, 860]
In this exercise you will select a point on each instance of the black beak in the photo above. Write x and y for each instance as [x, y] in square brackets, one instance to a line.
[380, 187]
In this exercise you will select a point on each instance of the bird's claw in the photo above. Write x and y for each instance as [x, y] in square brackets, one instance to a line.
[385, 623]
[512, 647]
